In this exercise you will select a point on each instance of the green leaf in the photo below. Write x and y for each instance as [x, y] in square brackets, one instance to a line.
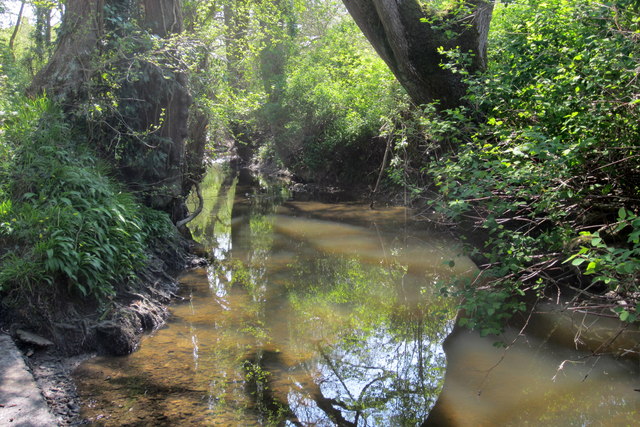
[622, 213]
[624, 315]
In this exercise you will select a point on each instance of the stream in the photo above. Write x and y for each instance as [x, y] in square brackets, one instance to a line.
[322, 314]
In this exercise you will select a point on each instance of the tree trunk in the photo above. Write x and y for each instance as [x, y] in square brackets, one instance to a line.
[405, 37]
[16, 29]
[163, 17]
[143, 134]
[69, 69]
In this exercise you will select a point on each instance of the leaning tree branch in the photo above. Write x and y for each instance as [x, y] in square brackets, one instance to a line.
[16, 29]
[195, 213]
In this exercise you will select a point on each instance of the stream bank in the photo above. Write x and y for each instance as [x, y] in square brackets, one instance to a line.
[76, 331]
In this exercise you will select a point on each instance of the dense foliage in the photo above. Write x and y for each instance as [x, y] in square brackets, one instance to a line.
[540, 161]
[63, 221]
[548, 174]
[296, 85]
[68, 229]
[336, 94]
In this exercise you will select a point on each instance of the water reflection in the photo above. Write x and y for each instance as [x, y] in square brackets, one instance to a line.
[330, 314]
[305, 319]
[535, 382]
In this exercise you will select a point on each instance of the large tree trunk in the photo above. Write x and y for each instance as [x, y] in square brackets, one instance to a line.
[144, 131]
[163, 17]
[401, 33]
[70, 66]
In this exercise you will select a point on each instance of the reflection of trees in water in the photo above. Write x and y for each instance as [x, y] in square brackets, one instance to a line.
[231, 198]
[382, 378]
[377, 361]
[282, 333]
[380, 384]
[218, 190]
[221, 206]
[335, 341]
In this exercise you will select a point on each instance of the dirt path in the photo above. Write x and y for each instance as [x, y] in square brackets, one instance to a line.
[21, 401]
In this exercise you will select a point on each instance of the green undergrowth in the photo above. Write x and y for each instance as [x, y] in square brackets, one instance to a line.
[548, 178]
[65, 225]
[337, 92]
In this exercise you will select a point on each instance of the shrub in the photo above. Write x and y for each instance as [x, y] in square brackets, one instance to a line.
[550, 172]
[63, 220]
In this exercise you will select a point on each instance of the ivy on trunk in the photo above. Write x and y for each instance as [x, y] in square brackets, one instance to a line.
[115, 68]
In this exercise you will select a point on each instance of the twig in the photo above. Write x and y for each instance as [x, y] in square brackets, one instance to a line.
[504, 352]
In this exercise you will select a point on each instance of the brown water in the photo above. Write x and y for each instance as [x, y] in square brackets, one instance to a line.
[330, 314]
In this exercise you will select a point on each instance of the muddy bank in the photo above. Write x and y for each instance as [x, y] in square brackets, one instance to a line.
[75, 325]
[78, 329]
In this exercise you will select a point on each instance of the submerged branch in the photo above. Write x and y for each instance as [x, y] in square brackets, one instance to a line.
[195, 213]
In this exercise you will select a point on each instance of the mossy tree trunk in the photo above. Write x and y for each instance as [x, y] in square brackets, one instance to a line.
[68, 71]
[114, 67]
[408, 36]
[42, 30]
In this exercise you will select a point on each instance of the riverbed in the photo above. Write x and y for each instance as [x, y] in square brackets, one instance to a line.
[317, 313]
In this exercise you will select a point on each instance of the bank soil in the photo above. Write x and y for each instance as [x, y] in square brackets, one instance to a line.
[78, 329]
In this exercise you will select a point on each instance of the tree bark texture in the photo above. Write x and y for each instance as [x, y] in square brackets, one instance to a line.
[163, 17]
[153, 101]
[69, 68]
[401, 33]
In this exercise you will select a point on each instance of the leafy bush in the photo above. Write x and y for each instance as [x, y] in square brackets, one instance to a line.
[550, 172]
[63, 221]
[617, 266]
[337, 91]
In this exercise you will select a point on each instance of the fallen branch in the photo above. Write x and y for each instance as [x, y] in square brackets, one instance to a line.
[195, 213]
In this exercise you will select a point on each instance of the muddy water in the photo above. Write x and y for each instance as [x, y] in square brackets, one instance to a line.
[534, 382]
[330, 314]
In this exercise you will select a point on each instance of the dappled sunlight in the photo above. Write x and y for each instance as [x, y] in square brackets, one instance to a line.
[300, 319]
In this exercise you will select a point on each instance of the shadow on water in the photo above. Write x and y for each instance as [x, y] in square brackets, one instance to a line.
[312, 314]
[535, 382]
